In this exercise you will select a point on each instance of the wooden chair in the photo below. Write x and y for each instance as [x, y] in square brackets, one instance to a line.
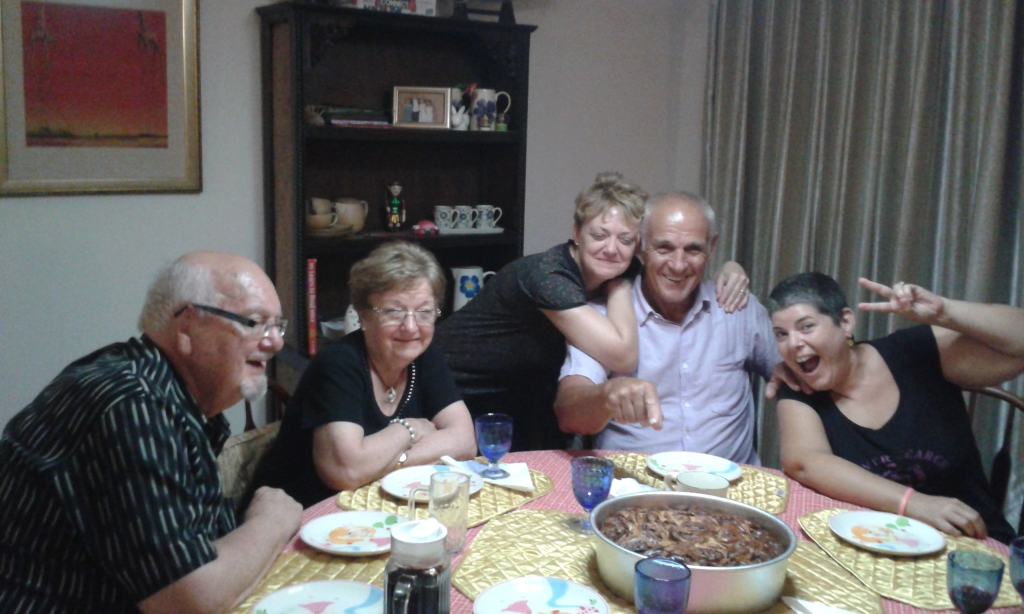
[1001, 462]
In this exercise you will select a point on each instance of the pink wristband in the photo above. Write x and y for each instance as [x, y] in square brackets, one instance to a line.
[904, 501]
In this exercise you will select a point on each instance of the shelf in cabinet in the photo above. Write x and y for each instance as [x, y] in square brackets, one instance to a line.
[331, 133]
[365, 242]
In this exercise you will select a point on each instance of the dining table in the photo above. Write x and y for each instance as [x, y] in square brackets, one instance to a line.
[555, 465]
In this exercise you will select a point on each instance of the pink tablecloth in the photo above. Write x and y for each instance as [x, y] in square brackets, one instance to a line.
[555, 464]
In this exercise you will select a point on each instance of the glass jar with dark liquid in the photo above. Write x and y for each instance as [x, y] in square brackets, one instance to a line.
[417, 579]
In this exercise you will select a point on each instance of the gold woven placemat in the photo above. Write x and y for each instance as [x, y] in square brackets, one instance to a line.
[532, 542]
[811, 574]
[309, 565]
[537, 542]
[760, 489]
[491, 501]
[917, 581]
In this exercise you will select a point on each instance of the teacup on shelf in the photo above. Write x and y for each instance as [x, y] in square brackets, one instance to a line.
[321, 221]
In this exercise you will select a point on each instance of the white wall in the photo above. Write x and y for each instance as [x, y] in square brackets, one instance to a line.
[605, 93]
[73, 270]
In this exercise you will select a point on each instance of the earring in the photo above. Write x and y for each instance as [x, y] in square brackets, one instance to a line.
[849, 341]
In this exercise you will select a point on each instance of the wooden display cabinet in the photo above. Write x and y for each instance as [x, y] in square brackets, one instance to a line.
[320, 55]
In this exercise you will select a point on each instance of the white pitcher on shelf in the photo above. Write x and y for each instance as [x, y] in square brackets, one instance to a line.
[352, 322]
[468, 281]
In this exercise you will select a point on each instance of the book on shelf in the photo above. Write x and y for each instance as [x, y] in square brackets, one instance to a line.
[320, 115]
[334, 113]
[311, 323]
[359, 123]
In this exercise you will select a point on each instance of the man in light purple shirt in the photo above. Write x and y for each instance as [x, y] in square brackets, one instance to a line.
[691, 390]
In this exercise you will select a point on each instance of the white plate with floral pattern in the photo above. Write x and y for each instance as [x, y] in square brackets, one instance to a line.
[539, 594]
[325, 597]
[664, 462]
[886, 533]
[403, 481]
[351, 533]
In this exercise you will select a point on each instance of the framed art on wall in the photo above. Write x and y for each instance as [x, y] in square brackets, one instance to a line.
[99, 96]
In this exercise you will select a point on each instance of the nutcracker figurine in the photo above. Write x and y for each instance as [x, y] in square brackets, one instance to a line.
[394, 208]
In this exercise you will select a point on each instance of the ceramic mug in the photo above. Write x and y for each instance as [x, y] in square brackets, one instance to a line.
[321, 205]
[699, 482]
[465, 216]
[487, 216]
[444, 217]
[468, 282]
[321, 221]
[485, 108]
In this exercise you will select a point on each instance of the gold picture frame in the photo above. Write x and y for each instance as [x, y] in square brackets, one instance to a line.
[99, 96]
[421, 107]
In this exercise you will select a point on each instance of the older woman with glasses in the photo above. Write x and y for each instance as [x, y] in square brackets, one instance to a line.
[382, 397]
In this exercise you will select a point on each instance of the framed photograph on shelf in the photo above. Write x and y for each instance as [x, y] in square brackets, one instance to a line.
[99, 96]
[421, 107]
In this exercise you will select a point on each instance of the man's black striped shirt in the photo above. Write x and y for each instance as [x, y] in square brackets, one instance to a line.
[109, 486]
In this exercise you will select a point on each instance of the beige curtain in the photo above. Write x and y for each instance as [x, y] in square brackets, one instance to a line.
[876, 138]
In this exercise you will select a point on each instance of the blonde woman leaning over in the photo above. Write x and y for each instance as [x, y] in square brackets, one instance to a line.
[884, 424]
[380, 398]
[507, 345]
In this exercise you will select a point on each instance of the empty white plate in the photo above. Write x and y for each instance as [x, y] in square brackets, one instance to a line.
[326, 597]
[886, 533]
[351, 533]
[539, 594]
[663, 462]
[403, 481]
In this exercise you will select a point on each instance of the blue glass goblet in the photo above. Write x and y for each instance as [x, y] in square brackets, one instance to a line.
[1017, 564]
[661, 586]
[494, 437]
[972, 578]
[591, 481]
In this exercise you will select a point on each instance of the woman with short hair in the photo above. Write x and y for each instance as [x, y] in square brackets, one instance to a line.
[379, 399]
[884, 424]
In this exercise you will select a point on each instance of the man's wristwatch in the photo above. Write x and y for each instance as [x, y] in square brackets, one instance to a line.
[404, 456]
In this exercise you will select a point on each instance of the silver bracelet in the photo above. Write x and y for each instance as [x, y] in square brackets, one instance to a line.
[408, 427]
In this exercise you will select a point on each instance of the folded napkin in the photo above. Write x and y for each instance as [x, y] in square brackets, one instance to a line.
[627, 486]
[519, 474]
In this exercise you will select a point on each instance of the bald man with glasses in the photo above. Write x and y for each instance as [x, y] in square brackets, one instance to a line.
[112, 500]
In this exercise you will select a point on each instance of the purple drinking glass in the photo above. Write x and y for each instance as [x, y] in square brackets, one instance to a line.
[973, 578]
[494, 437]
[661, 586]
[591, 482]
